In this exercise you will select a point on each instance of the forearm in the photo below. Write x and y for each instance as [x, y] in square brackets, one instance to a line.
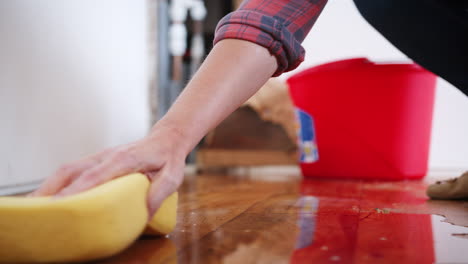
[231, 74]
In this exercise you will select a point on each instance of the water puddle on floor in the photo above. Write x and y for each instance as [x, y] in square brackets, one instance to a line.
[313, 221]
[450, 241]
[344, 231]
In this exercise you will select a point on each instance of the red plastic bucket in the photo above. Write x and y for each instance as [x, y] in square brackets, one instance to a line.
[364, 120]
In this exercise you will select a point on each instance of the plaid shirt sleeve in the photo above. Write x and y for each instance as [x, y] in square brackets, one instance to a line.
[279, 25]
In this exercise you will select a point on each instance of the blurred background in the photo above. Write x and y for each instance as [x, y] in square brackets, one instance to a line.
[80, 76]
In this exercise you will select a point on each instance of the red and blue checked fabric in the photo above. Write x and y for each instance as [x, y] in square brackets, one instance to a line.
[278, 25]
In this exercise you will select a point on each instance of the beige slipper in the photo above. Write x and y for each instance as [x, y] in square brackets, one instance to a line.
[450, 190]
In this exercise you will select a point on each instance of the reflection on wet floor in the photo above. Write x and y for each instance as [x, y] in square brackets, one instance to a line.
[449, 243]
[225, 219]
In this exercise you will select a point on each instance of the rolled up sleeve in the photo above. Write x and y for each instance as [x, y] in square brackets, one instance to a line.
[280, 26]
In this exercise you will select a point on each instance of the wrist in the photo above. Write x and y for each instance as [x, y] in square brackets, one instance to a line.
[172, 135]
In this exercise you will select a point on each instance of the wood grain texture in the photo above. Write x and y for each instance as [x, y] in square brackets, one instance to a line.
[227, 219]
[245, 139]
[244, 129]
[212, 158]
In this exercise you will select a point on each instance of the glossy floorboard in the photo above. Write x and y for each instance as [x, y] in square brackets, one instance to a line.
[227, 219]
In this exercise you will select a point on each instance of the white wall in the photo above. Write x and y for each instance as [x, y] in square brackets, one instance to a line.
[341, 32]
[73, 80]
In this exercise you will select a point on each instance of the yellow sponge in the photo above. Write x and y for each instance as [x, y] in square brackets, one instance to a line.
[94, 224]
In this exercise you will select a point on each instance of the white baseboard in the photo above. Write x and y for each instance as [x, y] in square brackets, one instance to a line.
[19, 188]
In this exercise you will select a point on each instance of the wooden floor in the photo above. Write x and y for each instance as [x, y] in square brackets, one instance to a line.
[233, 219]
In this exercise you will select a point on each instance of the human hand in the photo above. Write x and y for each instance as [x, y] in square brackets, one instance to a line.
[159, 156]
[215, 91]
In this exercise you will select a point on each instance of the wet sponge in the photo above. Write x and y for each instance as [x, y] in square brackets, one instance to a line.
[94, 224]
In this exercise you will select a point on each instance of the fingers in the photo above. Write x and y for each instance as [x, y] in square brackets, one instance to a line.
[53, 184]
[63, 177]
[119, 164]
[164, 184]
[163, 168]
